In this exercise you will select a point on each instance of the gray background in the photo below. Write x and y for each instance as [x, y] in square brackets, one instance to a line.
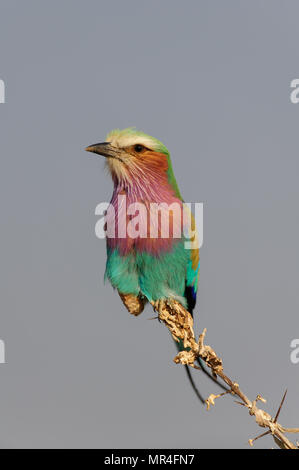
[211, 79]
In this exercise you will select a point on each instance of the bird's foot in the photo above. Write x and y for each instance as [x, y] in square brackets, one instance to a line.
[158, 306]
[134, 305]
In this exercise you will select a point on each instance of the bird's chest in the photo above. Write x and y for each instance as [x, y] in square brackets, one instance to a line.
[142, 225]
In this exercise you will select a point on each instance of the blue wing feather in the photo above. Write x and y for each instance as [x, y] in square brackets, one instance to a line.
[191, 284]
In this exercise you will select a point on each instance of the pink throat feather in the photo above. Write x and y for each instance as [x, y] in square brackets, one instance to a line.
[147, 187]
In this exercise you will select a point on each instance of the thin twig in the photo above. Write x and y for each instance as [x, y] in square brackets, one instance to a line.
[180, 324]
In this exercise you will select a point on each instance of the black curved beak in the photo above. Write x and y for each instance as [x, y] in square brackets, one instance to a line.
[105, 149]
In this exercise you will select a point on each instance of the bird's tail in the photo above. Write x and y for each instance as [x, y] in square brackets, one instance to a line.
[180, 347]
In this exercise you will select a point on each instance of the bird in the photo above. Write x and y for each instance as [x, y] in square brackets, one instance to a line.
[143, 268]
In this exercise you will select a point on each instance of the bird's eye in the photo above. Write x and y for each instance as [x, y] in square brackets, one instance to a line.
[138, 148]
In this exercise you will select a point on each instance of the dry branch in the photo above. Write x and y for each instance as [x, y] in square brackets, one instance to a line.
[180, 324]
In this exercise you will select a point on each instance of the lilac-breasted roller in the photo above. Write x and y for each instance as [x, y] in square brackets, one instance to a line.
[146, 268]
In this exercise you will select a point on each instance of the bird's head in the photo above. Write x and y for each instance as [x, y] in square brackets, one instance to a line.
[134, 157]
